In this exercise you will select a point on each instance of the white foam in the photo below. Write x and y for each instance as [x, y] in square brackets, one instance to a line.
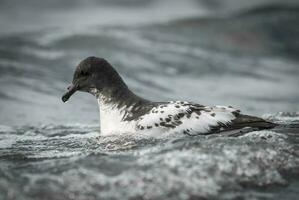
[283, 116]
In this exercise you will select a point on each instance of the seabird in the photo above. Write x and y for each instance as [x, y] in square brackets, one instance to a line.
[122, 111]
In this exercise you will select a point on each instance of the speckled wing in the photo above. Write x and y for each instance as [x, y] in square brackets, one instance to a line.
[188, 118]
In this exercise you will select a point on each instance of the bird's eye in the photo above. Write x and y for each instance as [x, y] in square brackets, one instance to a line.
[84, 73]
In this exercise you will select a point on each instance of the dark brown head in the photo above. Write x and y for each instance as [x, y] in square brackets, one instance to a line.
[94, 73]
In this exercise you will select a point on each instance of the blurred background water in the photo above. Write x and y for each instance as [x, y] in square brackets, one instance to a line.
[223, 52]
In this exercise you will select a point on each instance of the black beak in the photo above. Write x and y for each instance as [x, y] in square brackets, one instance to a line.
[70, 91]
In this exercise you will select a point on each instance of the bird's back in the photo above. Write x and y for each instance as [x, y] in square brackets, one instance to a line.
[192, 119]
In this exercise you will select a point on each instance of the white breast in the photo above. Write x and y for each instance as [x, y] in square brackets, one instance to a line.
[111, 120]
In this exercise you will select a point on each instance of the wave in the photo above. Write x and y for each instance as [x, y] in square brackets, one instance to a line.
[78, 159]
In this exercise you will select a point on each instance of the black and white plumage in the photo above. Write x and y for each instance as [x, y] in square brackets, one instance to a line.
[121, 111]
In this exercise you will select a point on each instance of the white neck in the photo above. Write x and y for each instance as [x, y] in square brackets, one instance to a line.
[111, 119]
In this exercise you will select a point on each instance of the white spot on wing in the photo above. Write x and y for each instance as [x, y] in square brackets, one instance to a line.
[202, 123]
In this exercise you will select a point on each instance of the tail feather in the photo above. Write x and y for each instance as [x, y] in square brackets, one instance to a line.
[243, 121]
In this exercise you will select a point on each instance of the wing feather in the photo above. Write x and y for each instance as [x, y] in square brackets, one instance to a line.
[187, 117]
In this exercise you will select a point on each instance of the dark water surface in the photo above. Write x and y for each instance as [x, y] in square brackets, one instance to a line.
[164, 51]
[74, 162]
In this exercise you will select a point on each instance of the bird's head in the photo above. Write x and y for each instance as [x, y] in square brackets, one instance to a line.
[93, 74]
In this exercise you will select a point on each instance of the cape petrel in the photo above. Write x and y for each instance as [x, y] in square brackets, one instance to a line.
[122, 111]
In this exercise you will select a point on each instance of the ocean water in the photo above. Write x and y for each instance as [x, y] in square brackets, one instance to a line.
[164, 50]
